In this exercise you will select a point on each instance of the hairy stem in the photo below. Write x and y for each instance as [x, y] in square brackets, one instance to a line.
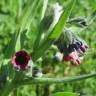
[53, 80]
[46, 90]
[37, 90]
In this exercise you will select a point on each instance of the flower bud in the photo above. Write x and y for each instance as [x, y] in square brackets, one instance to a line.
[36, 72]
[58, 56]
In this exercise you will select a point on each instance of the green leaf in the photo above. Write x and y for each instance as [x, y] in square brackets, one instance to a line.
[11, 46]
[15, 7]
[40, 31]
[62, 21]
[18, 43]
[65, 94]
[11, 71]
[45, 3]
[92, 4]
[28, 15]
[55, 33]
[15, 42]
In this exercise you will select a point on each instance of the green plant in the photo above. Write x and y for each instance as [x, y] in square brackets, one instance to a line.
[32, 45]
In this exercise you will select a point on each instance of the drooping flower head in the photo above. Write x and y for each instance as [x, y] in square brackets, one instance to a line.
[20, 60]
[72, 47]
[76, 51]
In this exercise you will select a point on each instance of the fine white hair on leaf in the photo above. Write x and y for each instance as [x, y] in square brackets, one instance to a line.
[57, 12]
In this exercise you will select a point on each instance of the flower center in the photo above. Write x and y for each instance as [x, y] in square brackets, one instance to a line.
[20, 60]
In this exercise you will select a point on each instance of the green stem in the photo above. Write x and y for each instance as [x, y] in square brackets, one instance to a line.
[7, 89]
[53, 80]
[90, 22]
[15, 92]
[10, 85]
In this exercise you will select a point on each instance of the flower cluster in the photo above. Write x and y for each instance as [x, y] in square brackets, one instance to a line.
[73, 49]
[77, 49]
[77, 52]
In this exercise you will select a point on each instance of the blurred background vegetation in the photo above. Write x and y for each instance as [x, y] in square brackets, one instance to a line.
[9, 20]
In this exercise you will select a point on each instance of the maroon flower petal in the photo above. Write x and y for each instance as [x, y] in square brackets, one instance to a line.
[82, 48]
[67, 58]
[20, 59]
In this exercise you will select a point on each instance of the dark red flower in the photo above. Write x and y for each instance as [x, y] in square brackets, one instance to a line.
[73, 58]
[20, 59]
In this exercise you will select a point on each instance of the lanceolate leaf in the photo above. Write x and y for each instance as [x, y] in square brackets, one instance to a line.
[40, 31]
[15, 43]
[55, 33]
[11, 47]
[65, 94]
[62, 21]
[45, 3]
[28, 15]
